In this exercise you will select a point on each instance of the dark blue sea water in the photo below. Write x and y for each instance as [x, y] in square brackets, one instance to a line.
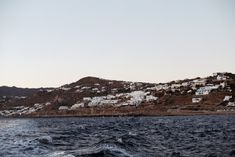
[187, 136]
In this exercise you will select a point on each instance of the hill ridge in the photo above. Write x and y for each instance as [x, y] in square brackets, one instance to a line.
[97, 96]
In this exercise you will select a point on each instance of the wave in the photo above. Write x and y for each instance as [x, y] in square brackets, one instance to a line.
[45, 140]
[59, 154]
[104, 150]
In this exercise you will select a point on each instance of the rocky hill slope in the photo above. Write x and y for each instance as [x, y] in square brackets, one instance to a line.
[91, 96]
[6, 91]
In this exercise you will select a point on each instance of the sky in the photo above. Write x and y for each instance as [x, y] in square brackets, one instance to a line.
[48, 43]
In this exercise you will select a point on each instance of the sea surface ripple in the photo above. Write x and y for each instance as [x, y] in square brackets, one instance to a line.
[186, 136]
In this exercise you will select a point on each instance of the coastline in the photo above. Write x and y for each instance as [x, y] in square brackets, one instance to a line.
[159, 114]
[97, 97]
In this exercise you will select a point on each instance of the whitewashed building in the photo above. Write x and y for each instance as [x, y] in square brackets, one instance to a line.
[87, 99]
[76, 106]
[63, 108]
[201, 82]
[227, 98]
[175, 85]
[185, 84]
[231, 104]
[202, 91]
[150, 98]
[221, 77]
[196, 100]
[223, 84]
[206, 90]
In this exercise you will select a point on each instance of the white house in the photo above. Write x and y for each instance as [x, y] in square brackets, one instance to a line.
[196, 100]
[185, 84]
[63, 108]
[223, 84]
[158, 87]
[227, 98]
[136, 98]
[109, 97]
[221, 77]
[206, 90]
[76, 106]
[151, 98]
[165, 86]
[47, 103]
[218, 73]
[202, 91]
[213, 87]
[85, 88]
[87, 99]
[199, 82]
[231, 104]
[189, 91]
[175, 85]
[101, 101]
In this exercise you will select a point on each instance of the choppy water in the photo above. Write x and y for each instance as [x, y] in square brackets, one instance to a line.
[124, 137]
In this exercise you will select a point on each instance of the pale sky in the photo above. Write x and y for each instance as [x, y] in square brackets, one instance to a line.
[54, 42]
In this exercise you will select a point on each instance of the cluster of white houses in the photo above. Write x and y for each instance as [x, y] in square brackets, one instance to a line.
[134, 98]
[199, 85]
[207, 88]
[20, 110]
[220, 76]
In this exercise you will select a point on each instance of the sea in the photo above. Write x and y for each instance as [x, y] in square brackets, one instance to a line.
[167, 136]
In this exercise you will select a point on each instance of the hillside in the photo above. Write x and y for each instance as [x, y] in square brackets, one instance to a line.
[91, 96]
[15, 91]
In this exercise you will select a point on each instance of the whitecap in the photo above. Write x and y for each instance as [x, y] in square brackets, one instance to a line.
[131, 133]
[59, 154]
[120, 140]
[105, 147]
